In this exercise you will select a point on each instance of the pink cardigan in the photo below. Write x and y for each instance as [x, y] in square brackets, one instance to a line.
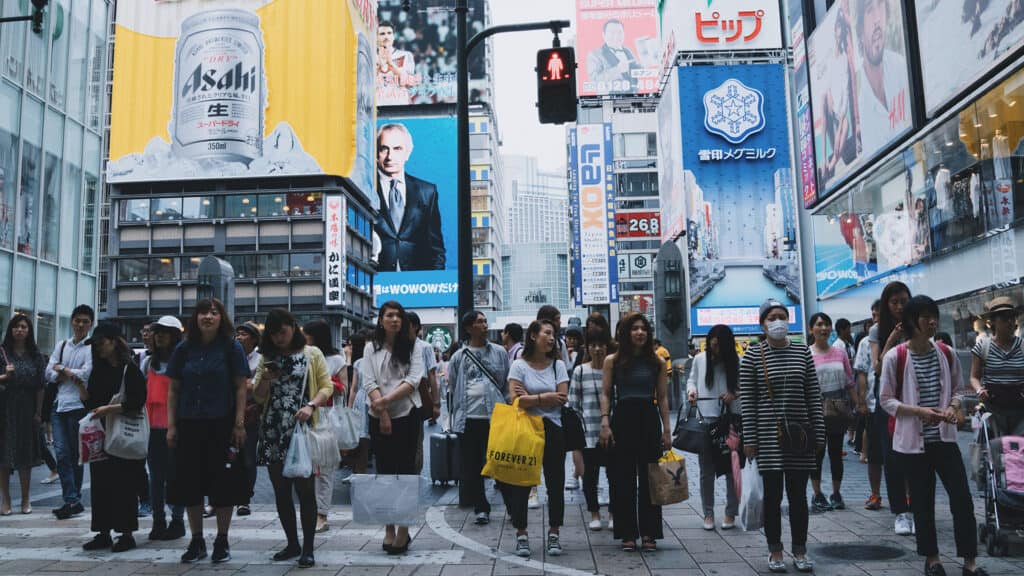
[908, 438]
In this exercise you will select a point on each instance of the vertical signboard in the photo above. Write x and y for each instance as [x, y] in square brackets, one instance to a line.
[617, 44]
[722, 24]
[415, 235]
[741, 208]
[334, 250]
[595, 276]
[670, 161]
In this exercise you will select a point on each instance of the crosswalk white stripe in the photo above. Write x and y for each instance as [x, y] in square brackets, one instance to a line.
[251, 557]
[257, 516]
[269, 533]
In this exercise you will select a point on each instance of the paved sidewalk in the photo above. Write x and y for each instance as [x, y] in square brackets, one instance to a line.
[447, 543]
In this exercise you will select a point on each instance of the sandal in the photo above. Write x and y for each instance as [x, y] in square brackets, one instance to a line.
[649, 545]
[629, 545]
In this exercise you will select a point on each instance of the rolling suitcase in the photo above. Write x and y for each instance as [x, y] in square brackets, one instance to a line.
[445, 456]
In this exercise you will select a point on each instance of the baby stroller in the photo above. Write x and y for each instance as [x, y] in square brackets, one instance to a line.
[1001, 481]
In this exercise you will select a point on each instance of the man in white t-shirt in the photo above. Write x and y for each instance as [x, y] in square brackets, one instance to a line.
[882, 94]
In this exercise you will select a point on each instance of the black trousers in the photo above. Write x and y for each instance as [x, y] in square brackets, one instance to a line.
[834, 447]
[636, 427]
[795, 482]
[593, 460]
[893, 464]
[305, 488]
[942, 459]
[473, 446]
[396, 452]
[517, 497]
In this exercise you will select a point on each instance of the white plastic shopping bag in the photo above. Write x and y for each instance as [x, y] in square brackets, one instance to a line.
[297, 463]
[385, 499]
[752, 499]
[90, 440]
[345, 422]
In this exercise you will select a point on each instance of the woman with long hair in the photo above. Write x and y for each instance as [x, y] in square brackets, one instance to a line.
[113, 507]
[884, 336]
[318, 334]
[22, 382]
[540, 381]
[714, 386]
[291, 384]
[637, 430]
[166, 334]
[585, 398]
[206, 425]
[783, 426]
[835, 378]
[360, 456]
[391, 374]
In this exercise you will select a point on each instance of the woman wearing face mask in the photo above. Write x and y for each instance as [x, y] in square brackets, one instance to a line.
[540, 381]
[997, 367]
[922, 389]
[884, 336]
[780, 392]
[714, 384]
[637, 431]
[836, 380]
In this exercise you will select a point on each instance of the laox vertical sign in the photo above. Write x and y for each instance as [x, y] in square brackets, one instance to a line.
[595, 276]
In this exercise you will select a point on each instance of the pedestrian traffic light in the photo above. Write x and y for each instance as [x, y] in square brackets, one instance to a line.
[556, 85]
[38, 6]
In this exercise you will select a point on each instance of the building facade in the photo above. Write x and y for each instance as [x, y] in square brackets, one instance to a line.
[488, 205]
[52, 107]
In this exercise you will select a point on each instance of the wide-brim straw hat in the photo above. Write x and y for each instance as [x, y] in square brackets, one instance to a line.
[1001, 304]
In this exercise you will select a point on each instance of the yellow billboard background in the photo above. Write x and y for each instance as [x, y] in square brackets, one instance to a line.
[310, 73]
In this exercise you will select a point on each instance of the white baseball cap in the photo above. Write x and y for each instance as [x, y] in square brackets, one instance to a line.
[170, 322]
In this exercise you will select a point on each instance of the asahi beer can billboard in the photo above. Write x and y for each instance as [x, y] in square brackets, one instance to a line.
[237, 88]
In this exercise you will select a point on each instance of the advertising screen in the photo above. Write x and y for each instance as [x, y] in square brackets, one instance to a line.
[741, 206]
[960, 41]
[638, 225]
[592, 203]
[722, 24]
[860, 88]
[845, 252]
[670, 161]
[415, 235]
[416, 52]
[617, 47]
[225, 90]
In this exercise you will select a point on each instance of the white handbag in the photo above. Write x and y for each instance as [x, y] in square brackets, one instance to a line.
[127, 433]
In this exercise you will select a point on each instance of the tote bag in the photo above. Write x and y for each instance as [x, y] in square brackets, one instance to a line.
[127, 433]
[385, 499]
[515, 447]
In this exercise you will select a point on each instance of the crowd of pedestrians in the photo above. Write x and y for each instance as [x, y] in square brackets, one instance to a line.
[221, 401]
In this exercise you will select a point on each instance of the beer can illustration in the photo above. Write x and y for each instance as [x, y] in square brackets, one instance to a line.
[219, 88]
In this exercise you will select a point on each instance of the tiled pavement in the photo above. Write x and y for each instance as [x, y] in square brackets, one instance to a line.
[447, 543]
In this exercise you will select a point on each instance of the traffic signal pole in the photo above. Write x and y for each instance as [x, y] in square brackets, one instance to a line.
[464, 47]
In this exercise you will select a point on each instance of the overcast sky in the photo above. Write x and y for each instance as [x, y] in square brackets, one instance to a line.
[515, 85]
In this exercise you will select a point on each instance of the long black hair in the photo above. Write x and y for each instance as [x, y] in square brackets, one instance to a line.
[814, 320]
[401, 350]
[726, 356]
[159, 356]
[320, 332]
[627, 353]
[277, 319]
[886, 321]
[30, 339]
[530, 341]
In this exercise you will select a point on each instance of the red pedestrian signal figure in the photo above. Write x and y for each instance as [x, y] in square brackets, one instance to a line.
[556, 85]
[555, 67]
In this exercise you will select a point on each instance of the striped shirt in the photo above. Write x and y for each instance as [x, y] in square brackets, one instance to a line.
[1001, 367]
[795, 398]
[926, 369]
[585, 398]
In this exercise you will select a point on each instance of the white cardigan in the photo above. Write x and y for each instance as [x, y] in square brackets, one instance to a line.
[695, 383]
[377, 373]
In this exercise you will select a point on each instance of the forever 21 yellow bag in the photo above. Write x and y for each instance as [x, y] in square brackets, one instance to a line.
[515, 447]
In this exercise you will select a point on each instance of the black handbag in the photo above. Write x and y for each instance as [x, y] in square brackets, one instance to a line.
[572, 428]
[691, 433]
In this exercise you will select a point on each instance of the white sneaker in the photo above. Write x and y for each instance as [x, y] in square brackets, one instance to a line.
[913, 525]
[534, 502]
[904, 526]
[611, 524]
[709, 523]
[571, 483]
[50, 479]
[595, 525]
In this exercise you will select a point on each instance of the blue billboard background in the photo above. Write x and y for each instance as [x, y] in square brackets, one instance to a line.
[433, 160]
[741, 205]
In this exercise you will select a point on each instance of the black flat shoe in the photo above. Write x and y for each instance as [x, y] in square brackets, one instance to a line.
[287, 554]
[398, 550]
[306, 561]
[102, 541]
[124, 543]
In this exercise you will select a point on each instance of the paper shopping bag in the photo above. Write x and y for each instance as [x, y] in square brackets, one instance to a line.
[667, 480]
[385, 499]
[515, 447]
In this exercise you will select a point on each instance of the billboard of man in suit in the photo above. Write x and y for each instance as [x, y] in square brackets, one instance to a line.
[612, 63]
[409, 221]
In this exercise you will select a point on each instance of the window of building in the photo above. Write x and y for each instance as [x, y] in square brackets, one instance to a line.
[165, 209]
[10, 111]
[273, 205]
[190, 267]
[272, 265]
[132, 270]
[637, 184]
[79, 25]
[305, 203]
[71, 195]
[240, 206]
[244, 265]
[90, 202]
[135, 210]
[590, 115]
[635, 144]
[161, 269]
[305, 265]
[31, 176]
[54, 145]
[197, 208]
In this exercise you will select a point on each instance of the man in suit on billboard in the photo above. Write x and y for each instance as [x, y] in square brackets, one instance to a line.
[612, 64]
[409, 221]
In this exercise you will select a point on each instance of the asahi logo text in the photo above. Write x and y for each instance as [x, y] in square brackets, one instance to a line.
[211, 79]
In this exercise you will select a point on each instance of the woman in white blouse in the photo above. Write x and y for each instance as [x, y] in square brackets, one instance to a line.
[390, 374]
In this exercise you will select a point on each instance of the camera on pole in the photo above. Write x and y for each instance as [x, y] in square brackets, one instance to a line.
[556, 85]
[38, 11]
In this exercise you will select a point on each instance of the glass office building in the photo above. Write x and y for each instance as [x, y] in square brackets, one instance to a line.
[52, 105]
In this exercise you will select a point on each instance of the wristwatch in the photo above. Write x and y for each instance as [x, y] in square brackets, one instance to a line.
[311, 405]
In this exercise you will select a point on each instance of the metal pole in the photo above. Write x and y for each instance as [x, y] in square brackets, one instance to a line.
[15, 19]
[465, 212]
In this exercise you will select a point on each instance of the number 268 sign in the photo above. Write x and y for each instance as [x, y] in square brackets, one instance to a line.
[638, 225]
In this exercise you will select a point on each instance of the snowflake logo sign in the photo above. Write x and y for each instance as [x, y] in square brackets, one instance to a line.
[734, 111]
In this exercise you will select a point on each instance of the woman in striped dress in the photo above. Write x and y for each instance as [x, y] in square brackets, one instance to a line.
[997, 367]
[585, 397]
[779, 386]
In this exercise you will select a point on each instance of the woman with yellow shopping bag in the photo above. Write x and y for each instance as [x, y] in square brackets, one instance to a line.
[637, 430]
[539, 383]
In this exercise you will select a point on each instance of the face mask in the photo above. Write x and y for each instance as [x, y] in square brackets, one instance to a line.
[777, 329]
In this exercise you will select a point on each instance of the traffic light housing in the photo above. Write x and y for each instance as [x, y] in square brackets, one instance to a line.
[556, 85]
[38, 8]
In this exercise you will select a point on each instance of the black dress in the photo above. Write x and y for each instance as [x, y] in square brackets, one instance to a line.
[19, 434]
[113, 506]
